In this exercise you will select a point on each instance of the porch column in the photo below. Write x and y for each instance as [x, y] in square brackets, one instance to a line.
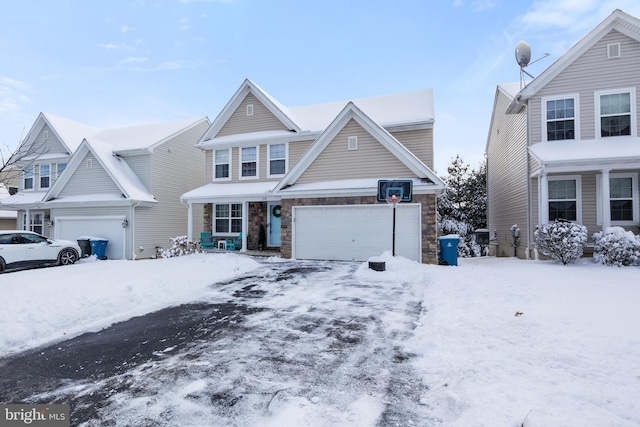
[189, 221]
[606, 195]
[245, 225]
[27, 220]
[544, 200]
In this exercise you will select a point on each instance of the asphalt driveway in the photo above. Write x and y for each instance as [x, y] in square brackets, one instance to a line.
[289, 344]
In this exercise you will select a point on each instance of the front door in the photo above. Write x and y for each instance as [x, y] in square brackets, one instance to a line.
[274, 225]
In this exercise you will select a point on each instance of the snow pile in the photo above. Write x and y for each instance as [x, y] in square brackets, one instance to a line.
[616, 246]
[180, 246]
[51, 304]
[561, 240]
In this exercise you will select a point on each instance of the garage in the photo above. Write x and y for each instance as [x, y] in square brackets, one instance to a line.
[355, 232]
[108, 227]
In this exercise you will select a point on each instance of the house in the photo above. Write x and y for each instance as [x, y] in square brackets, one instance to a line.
[7, 218]
[121, 184]
[566, 145]
[307, 178]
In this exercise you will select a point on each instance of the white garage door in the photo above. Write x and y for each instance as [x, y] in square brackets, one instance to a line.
[355, 233]
[110, 228]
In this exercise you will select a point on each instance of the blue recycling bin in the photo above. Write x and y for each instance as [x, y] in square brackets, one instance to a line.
[449, 249]
[99, 248]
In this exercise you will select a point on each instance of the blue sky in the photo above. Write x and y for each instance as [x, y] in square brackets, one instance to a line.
[119, 63]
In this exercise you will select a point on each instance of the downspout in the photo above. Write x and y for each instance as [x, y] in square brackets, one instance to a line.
[132, 232]
[528, 181]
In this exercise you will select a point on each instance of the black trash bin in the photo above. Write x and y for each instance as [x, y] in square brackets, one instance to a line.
[85, 247]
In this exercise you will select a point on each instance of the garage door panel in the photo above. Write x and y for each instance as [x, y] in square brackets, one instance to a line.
[355, 232]
[108, 228]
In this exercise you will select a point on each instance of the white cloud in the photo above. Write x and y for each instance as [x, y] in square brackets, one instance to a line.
[109, 46]
[136, 59]
[124, 29]
[184, 24]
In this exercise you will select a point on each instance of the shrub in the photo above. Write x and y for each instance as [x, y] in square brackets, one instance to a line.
[615, 246]
[180, 245]
[561, 240]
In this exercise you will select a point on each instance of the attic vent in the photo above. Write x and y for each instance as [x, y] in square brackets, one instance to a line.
[46, 135]
[250, 110]
[352, 143]
[89, 164]
[613, 50]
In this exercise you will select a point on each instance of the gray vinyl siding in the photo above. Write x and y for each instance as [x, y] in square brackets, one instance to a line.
[589, 73]
[419, 142]
[370, 160]
[261, 120]
[93, 181]
[507, 176]
[141, 166]
[176, 167]
[50, 145]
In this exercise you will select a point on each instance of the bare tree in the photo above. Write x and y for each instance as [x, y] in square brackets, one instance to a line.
[13, 163]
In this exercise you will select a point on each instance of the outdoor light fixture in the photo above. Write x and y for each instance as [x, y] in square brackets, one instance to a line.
[125, 223]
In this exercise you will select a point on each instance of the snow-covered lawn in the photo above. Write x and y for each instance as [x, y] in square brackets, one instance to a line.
[494, 341]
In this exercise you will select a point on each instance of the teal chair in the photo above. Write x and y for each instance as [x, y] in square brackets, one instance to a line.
[206, 240]
[234, 243]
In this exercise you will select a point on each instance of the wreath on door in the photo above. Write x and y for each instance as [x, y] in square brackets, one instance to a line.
[276, 211]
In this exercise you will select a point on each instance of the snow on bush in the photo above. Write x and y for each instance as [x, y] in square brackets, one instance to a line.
[467, 247]
[180, 245]
[561, 240]
[615, 246]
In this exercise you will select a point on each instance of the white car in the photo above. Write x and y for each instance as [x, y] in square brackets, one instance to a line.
[24, 249]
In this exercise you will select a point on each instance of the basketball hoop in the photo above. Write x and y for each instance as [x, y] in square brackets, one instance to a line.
[393, 200]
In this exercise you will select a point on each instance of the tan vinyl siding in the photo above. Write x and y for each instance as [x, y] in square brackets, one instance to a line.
[296, 150]
[370, 160]
[591, 72]
[419, 142]
[261, 120]
[94, 180]
[177, 167]
[507, 176]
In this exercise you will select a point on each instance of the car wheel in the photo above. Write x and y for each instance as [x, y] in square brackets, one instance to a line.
[67, 257]
[2, 265]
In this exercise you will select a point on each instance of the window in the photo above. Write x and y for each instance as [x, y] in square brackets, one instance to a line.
[564, 198]
[277, 159]
[623, 198]
[37, 222]
[59, 168]
[352, 143]
[616, 113]
[28, 177]
[560, 118]
[229, 218]
[249, 162]
[221, 164]
[45, 176]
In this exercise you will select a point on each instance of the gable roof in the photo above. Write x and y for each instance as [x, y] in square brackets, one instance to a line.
[401, 109]
[351, 111]
[123, 177]
[618, 20]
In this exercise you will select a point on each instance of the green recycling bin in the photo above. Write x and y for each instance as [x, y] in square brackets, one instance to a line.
[99, 248]
[449, 249]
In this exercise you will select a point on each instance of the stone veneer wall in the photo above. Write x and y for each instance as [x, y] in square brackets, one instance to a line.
[428, 201]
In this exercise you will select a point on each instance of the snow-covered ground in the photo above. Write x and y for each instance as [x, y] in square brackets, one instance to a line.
[491, 342]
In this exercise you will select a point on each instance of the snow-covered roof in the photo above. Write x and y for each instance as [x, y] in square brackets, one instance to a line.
[510, 89]
[232, 191]
[350, 187]
[70, 132]
[620, 149]
[23, 199]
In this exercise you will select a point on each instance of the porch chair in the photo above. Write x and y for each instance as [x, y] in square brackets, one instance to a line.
[234, 243]
[206, 240]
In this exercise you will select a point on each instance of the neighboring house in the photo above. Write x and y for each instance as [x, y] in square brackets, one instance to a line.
[308, 176]
[566, 145]
[7, 218]
[123, 184]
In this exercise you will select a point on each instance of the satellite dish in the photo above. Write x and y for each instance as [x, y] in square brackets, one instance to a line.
[523, 53]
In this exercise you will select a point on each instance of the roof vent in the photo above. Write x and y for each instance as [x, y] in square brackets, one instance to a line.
[613, 50]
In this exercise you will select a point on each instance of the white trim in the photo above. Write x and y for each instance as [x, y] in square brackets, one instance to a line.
[257, 175]
[578, 179]
[286, 160]
[352, 143]
[614, 51]
[33, 178]
[88, 163]
[249, 109]
[230, 218]
[596, 106]
[229, 162]
[600, 202]
[49, 175]
[576, 113]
